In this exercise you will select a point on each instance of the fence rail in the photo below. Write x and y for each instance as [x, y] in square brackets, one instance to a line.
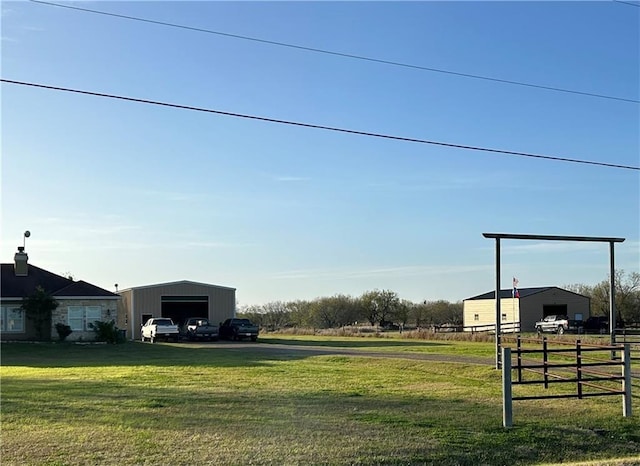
[507, 327]
[632, 337]
[551, 366]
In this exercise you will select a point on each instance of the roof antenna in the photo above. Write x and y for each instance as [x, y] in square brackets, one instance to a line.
[24, 238]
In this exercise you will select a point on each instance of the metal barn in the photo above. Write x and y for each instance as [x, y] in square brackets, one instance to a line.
[177, 300]
[532, 305]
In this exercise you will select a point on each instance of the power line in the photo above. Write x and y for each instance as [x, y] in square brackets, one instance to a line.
[339, 54]
[628, 3]
[327, 128]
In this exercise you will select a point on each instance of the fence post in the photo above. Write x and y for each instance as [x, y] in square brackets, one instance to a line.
[507, 402]
[518, 348]
[579, 368]
[498, 349]
[626, 381]
[545, 360]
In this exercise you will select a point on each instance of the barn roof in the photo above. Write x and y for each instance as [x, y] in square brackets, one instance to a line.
[180, 282]
[524, 292]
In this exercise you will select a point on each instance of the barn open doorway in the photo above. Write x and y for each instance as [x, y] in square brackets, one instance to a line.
[180, 308]
[554, 310]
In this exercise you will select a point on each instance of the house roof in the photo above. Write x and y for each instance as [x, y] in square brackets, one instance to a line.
[524, 292]
[12, 286]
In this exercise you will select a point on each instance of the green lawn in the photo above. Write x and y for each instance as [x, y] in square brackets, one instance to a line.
[188, 404]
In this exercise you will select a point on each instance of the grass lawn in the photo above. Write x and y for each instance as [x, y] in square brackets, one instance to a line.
[186, 404]
[391, 344]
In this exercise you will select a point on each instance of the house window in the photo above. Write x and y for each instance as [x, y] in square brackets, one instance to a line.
[79, 317]
[12, 319]
[476, 317]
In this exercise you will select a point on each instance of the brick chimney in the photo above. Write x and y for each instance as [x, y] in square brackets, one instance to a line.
[21, 268]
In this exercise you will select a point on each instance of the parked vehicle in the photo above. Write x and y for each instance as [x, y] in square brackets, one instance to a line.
[196, 328]
[555, 324]
[159, 328]
[237, 329]
[600, 324]
[596, 324]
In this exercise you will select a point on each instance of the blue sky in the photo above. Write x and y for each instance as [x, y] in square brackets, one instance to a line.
[121, 192]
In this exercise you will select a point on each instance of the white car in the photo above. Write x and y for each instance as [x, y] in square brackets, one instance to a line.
[555, 324]
[159, 328]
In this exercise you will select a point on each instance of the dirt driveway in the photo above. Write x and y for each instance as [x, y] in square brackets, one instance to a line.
[282, 350]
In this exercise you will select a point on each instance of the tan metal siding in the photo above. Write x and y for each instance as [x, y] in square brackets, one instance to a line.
[486, 311]
[124, 314]
[148, 300]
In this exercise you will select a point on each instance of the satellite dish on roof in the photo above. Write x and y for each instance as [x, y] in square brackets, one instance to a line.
[24, 239]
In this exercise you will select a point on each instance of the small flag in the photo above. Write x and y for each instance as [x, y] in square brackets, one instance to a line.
[515, 292]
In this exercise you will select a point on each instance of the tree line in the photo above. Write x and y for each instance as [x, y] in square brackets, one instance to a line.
[381, 308]
[384, 308]
[626, 293]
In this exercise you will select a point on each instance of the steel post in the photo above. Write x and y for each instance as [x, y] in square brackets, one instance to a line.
[612, 295]
[498, 316]
[626, 381]
[507, 402]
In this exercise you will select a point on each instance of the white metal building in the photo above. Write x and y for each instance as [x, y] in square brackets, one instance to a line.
[532, 305]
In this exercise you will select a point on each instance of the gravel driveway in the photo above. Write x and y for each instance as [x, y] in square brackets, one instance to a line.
[299, 350]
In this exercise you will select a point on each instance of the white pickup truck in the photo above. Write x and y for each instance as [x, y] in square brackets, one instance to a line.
[556, 324]
[159, 328]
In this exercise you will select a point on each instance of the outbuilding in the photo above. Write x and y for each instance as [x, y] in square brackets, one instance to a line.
[176, 300]
[533, 304]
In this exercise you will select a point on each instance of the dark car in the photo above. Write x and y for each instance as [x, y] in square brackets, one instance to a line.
[596, 324]
[237, 329]
[196, 328]
[600, 324]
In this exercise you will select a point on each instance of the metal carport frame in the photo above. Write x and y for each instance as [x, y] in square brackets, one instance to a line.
[612, 300]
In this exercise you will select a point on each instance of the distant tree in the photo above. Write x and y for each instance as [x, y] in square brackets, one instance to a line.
[350, 309]
[38, 308]
[580, 288]
[456, 311]
[380, 306]
[272, 316]
[275, 315]
[627, 295]
[301, 313]
[370, 309]
[419, 314]
[403, 311]
[326, 312]
[253, 313]
[443, 312]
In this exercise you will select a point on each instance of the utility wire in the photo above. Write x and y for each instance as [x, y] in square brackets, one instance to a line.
[628, 3]
[339, 54]
[327, 128]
